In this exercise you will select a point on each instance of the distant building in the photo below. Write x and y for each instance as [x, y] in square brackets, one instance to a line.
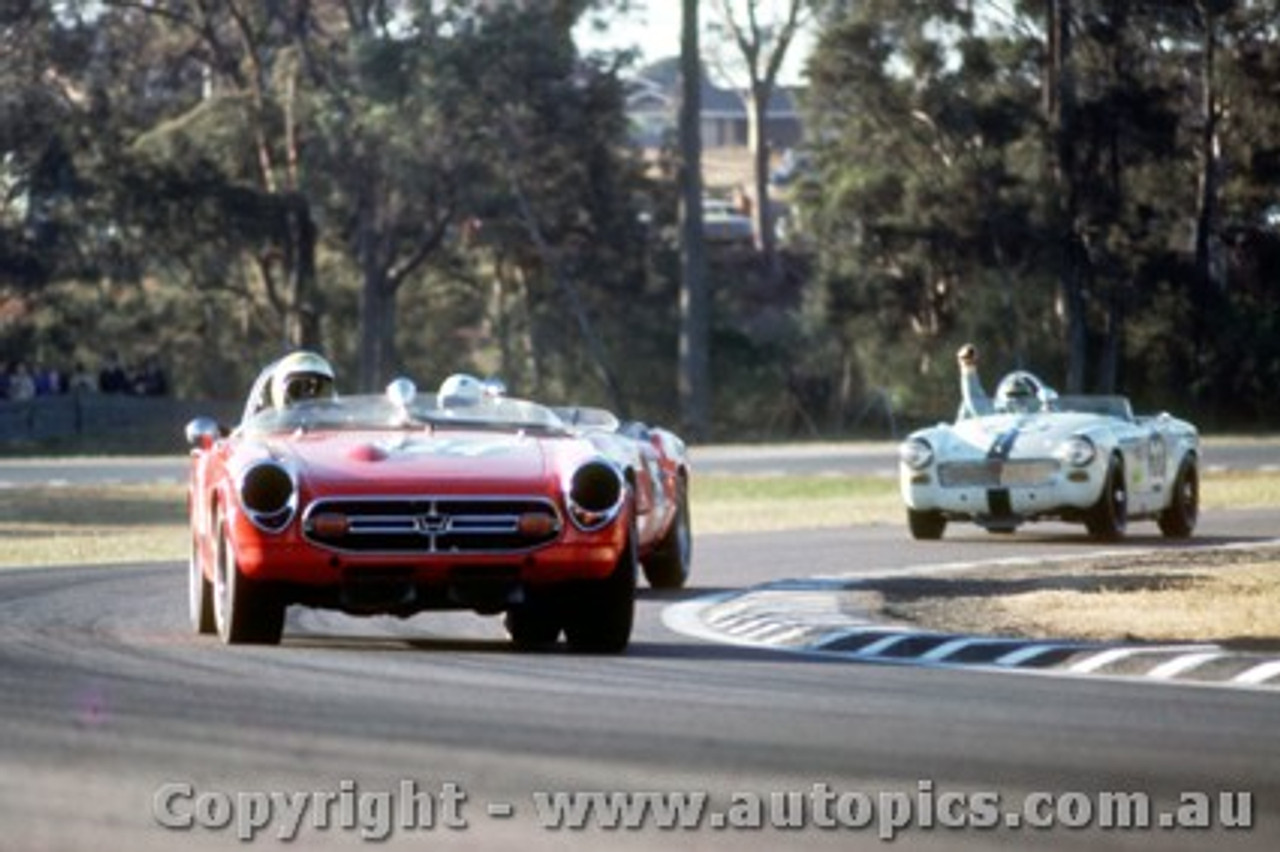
[653, 106]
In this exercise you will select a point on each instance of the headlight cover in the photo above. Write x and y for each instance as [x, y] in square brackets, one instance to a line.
[1078, 451]
[269, 495]
[594, 495]
[916, 453]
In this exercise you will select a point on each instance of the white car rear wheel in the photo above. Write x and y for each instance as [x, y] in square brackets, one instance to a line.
[1179, 520]
[1107, 519]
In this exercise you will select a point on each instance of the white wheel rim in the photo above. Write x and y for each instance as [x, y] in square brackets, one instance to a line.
[221, 584]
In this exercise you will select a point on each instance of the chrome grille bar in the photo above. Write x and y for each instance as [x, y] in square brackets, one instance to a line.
[430, 524]
[995, 473]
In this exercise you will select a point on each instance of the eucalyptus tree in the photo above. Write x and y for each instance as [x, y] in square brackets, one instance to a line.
[554, 209]
[760, 32]
[217, 107]
[924, 205]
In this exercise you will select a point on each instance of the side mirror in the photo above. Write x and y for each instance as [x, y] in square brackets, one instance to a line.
[202, 432]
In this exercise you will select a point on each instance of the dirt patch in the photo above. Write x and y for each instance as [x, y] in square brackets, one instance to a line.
[1228, 596]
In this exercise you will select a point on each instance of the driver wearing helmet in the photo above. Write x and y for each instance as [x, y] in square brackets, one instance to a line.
[301, 377]
[297, 377]
[1019, 392]
[459, 391]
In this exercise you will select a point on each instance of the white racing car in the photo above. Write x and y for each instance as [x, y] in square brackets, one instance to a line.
[1033, 455]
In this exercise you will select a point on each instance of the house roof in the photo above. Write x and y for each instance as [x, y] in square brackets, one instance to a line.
[658, 85]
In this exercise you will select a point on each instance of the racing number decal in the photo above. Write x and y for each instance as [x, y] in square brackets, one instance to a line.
[1157, 457]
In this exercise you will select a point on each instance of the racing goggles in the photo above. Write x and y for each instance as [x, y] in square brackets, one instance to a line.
[306, 386]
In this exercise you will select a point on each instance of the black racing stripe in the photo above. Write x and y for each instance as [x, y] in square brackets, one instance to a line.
[999, 502]
[1002, 447]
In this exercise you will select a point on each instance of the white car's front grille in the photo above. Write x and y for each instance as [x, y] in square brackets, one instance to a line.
[997, 473]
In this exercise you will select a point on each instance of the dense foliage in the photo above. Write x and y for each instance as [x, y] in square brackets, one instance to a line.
[1087, 188]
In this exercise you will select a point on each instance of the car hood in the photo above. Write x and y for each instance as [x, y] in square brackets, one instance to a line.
[453, 461]
[1011, 435]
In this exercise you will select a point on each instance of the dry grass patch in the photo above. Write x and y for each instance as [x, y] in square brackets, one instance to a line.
[1184, 595]
[50, 525]
[1239, 490]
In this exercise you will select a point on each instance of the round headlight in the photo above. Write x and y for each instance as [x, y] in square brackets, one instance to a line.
[595, 494]
[1078, 451]
[916, 453]
[269, 495]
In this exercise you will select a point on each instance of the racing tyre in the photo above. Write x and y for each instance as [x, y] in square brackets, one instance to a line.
[199, 595]
[926, 526]
[245, 612]
[1179, 520]
[601, 613]
[533, 625]
[1106, 519]
[668, 565]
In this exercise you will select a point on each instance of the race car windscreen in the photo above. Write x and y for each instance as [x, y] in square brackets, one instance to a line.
[377, 412]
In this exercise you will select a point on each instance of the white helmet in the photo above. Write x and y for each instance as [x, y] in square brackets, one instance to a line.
[301, 376]
[460, 389]
[1021, 393]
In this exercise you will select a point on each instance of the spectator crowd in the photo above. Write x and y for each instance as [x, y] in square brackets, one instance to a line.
[20, 380]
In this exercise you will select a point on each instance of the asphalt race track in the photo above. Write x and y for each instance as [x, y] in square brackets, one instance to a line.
[432, 733]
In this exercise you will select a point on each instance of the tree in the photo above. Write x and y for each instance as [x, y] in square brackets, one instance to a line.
[925, 219]
[234, 76]
[694, 385]
[761, 41]
[556, 203]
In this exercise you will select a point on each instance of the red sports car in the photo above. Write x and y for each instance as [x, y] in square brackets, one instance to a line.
[400, 503]
[661, 462]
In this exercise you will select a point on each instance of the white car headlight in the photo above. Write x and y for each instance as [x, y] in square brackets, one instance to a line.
[1078, 451]
[916, 453]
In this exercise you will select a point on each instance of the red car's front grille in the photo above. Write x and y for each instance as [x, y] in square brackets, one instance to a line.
[426, 524]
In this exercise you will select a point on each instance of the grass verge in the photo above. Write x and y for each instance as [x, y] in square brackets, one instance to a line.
[1227, 596]
[92, 524]
[1173, 595]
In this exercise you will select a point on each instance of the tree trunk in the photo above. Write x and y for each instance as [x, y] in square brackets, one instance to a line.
[694, 379]
[1061, 102]
[1206, 211]
[377, 331]
[302, 324]
[762, 212]
[377, 307]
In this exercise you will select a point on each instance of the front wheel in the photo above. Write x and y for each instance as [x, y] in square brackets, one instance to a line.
[245, 612]
[1107, 519]
[534, 625]
[926, 526]
[199, 594]
[1179, 520]
[600, 613]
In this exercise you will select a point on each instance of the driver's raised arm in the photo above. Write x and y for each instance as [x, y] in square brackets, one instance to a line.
[974, 400]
